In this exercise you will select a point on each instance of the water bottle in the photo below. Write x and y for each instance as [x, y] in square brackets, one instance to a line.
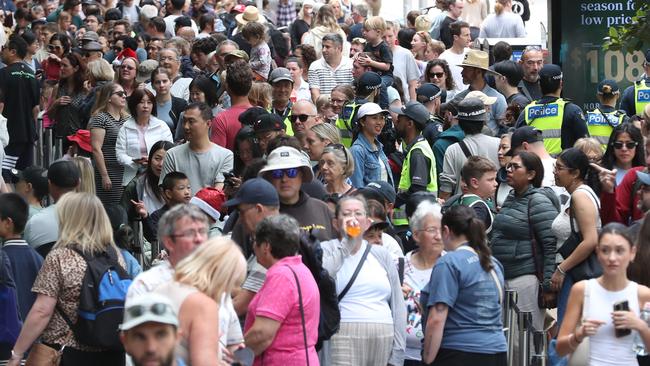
[638, 346]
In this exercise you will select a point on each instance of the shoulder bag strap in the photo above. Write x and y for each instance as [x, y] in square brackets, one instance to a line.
[493, 273]
[571, 216]
[356, 272]
[533, 243]
[465, 149]
[302, 315]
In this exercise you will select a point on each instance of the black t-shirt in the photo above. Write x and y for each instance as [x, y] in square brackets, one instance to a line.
[383, 53]
[20, 94]
[519, 99]
[445, 32]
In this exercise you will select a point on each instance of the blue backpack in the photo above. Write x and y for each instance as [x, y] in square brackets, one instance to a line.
[101, 301]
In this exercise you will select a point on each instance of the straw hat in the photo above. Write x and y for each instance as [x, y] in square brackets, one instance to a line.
[477, 59]
[250, 14]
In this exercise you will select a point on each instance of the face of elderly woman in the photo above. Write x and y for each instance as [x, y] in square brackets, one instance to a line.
[428, 236]
[331, 169]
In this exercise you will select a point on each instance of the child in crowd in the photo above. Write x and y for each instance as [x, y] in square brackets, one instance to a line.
[260, 58]
[479, 178]
[25, 261]
[176, 190]
[33, 187]
[373, 30]
[376, 234]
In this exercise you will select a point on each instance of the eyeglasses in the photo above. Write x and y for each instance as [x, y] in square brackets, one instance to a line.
[438, 75]
[302, 117]
[628, 145]
[431, 230]
[120, 93]
[52, 47]
[562, 167]
[191, 233]
[279, 173]
[337, 101]
[159, 309]
[513, 166]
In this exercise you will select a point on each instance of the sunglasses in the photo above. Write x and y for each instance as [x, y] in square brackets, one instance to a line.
[628, 145]
[302, 117]
[159, 309]
[52, 47]
[120, 94]
[438, 75]
[279, 173]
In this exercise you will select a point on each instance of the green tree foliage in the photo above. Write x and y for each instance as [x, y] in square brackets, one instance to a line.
[632, 36]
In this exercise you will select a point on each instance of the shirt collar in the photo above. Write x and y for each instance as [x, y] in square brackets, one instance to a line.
[14, 242]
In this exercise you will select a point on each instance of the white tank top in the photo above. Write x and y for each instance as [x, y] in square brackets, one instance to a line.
[604, 347]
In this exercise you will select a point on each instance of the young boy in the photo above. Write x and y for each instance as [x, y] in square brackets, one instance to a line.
[176, 190]
[373, 30]
[33, 187]
[25, 261]
[479, 178]
[260, 60]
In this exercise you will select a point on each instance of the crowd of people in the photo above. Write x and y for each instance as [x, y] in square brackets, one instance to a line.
[311, 183]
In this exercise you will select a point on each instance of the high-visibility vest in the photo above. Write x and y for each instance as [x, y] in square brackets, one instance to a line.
[346, 123]
[547, 117]
[399, 213]
[641, 96]
[601, 124]
[288, 129]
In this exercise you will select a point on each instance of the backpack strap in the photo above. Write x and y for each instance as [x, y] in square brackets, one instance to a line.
[302, 314]
[539, 271]
[356, 272]
[465, 149]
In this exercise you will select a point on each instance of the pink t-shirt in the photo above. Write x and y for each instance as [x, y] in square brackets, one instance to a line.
[226, 125]
[278, 300]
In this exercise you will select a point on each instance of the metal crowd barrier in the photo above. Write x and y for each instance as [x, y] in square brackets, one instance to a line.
[47, 148]
[526, 335]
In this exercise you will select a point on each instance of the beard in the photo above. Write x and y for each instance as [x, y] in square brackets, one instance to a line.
[168, 360]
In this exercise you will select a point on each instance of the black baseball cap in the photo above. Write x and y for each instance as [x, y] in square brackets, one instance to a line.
[523, 134]
[472, 110]
[551, 72]
[415, 111]
[251, 115]
[63, 174]
[369, 81]
[429, 90]
[32, 175]
[268, 122]
[647, 56]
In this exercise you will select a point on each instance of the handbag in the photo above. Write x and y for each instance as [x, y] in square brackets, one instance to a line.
[580, 356]
[42, 355]
[542, 302]
[588, 268]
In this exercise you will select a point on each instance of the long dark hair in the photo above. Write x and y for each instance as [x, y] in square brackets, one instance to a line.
[208, 87]
[462, 220]
[449, 82]
[246, 133]
[152, 179]
[534, 163]
[609, 159]
[79, 76]
[576, 159]
[638, 271]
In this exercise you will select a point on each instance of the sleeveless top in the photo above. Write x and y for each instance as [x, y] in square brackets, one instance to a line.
[604, 347]
[177, 292]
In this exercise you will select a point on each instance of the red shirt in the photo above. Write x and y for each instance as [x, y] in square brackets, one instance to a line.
[620, 206]
[226, 125]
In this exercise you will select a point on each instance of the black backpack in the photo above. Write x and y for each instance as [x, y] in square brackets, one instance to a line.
[101, 301]
[330, 315]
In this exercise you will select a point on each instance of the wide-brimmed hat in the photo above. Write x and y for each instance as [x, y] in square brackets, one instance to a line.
[250, 14]
[82, 138]
[285, 157]
[479, 60]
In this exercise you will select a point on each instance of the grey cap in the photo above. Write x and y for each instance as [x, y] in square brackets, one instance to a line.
[91, 46]
[145, 69]
[279, 74]
[90, 36]
[415, 111]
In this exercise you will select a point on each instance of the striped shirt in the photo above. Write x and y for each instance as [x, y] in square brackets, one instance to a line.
[323, 77]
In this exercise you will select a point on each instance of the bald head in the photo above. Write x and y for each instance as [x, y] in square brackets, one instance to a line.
[303, 116]
[186, 33]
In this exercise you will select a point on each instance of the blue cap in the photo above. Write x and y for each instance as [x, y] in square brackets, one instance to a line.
[254, 191]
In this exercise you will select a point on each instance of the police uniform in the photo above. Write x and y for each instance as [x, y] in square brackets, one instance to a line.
[284, 114]
[347, 121]
[636, 97]
[602, 121]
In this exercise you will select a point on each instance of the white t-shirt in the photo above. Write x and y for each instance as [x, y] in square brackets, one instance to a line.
[368, 298]
[454, 60]
[406, 68]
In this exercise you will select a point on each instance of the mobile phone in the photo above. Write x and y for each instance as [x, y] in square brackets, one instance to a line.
[243, 357]
[622, 306]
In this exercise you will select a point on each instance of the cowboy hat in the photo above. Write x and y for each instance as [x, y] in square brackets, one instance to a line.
[250, 14]
[479, 60]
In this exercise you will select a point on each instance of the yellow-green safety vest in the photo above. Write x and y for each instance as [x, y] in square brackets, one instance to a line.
[601, 124]
[547, 117]
[641, 96]
[399, 213]
[345, 123]
[346, 134]
[288, 129]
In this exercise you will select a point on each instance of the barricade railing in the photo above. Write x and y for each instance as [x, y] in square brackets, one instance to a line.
[532, 343]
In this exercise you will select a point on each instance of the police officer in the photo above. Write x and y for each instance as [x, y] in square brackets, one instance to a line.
[367, 90]
[562, 123]
[637, 96]
[419, 167]
[429, 95]
[602, 120]
[282, 85]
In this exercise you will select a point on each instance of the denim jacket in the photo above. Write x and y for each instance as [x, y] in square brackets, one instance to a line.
[366, 162]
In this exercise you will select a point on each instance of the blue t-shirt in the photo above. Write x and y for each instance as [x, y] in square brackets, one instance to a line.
[474, 319]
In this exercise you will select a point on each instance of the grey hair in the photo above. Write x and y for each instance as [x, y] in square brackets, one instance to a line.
[170, 49]
[424, 209]
[281, 232]
[333, 37]
[343, 156]
[167, 223]
[227, 42]
[362, 9]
